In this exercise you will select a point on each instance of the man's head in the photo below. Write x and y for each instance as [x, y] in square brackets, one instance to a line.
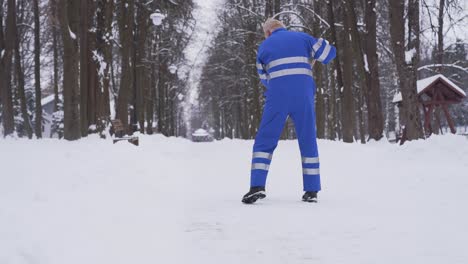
[271, 25]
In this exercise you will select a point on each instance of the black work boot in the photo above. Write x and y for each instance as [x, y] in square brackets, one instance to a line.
[310, 197]
[253, 195]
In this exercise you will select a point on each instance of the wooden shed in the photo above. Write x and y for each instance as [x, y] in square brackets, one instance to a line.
[436, 91]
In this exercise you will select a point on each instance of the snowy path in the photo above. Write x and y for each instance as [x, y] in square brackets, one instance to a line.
[205, 16]
[173, 201]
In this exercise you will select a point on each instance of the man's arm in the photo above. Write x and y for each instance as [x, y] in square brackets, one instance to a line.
[261, 69]
[322, 50]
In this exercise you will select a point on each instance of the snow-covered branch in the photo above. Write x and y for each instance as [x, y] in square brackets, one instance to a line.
[443, 65]
[315, 14]
[248, 10]
[291, 13]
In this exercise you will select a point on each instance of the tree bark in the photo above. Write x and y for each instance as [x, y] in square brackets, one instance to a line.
[105, 11]
[84, 67]
[440, 35]
[141, 76]
[6, 61]
[69, 24]
[320, 108]
[37, 69]
[321, 119]
[277, 8]
[439, 60]
[125, 22]
[55, 51]
[365, 46]
[268, 8]
[407, 67]
[374, 104]
[338, 72]
[348, 98]
[21, 92]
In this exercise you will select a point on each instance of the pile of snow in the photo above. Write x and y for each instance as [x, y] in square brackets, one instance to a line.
[424, 83]
[200, 133]
[172, 201]
[157, 18]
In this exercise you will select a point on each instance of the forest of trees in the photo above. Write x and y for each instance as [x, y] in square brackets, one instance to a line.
[354, 93]
[102, 59]
[108, 59]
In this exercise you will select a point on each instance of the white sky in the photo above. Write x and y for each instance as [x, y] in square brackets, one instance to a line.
[460, 31]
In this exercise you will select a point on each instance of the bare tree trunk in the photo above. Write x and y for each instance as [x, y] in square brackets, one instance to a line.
[367, 62]
[337, 64]
[440, 35]
[141, 76]
[105, 11]
[374, 104]
[150, 99]
[37, 69]
[348, 98]
[84, 67]
[439, 59]
[94, 94]
[6, 61]
[332, 110]
[20, 78]
[126, 8]
[268, 8]
[277, 8]
[407, 62]
[69, 24]
[56, 55]
[320, 107]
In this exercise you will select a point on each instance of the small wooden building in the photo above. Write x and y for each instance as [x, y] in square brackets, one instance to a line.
[436, 91]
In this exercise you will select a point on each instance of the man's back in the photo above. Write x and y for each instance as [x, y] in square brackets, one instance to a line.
[283, 43]
[287, 53]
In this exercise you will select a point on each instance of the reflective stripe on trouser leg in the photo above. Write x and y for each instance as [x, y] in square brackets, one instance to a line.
[260, 166]
[259, 172]
[266, 140]
[311, 173]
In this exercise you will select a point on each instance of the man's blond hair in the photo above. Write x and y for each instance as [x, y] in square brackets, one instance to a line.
[272, 24]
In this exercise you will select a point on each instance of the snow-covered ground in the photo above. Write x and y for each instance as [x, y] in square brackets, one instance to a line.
[174, 201]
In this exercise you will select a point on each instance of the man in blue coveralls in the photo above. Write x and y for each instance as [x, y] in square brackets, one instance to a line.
[284, 65]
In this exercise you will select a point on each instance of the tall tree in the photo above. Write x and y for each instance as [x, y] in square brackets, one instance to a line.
[374, 102]
[105, 11]
[55, 48]
[355, 41]
[37, 69]
[6, 61]
[407, 62]
[439, 57]
[69, 25]
[84, 66]
[141, 65]
[347, 98]
[21, 83]
[367, 62]
[126, 17]
[337, 74]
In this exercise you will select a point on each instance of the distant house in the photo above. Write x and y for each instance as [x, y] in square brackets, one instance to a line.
[47, 112]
